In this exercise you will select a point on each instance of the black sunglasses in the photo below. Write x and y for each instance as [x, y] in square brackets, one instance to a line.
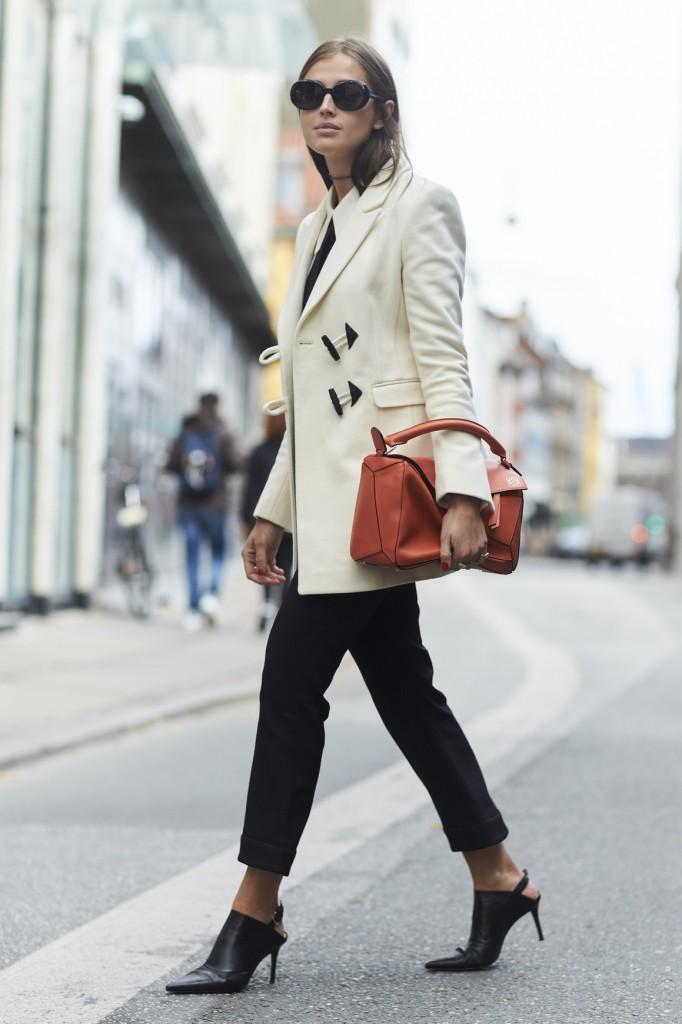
[350, 95]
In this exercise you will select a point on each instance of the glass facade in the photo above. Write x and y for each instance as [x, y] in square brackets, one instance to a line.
[167, 340]
[104, 313]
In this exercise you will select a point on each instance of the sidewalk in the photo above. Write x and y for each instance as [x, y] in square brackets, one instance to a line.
[78, 676]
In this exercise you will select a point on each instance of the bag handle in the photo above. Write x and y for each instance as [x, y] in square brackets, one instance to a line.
[382, 443]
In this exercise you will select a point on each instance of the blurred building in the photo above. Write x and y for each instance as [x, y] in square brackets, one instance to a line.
[676, 449]
[136, 211]
[547, 412]
[645, 462]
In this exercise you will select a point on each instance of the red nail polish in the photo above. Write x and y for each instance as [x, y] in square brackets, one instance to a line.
[260, 571]
[444, 566]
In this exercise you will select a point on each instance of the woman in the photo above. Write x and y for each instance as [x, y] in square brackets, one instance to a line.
[370, 334]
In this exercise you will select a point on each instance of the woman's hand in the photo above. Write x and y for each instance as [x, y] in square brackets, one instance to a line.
[463, 539]
[259, 554]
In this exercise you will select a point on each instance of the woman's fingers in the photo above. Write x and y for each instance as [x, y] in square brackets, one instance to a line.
[463, 539]
[259, 554]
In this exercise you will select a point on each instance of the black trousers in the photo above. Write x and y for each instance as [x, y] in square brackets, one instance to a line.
[308, 639]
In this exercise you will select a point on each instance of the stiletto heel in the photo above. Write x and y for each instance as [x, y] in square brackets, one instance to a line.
[494, 914]
[273, 965]
[242, 944]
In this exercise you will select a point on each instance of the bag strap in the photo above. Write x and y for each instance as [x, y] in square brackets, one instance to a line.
[382, 443]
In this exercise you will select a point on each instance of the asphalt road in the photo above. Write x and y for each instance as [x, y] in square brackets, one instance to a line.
[569, 680]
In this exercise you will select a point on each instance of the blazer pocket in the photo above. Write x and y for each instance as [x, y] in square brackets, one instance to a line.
[394, 393]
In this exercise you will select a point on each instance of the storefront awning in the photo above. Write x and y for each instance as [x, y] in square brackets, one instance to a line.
[159, 165]
[274, 35]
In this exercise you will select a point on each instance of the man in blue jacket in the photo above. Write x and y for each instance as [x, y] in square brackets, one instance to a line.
[202, 457]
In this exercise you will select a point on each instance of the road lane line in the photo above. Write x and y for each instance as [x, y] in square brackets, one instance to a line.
[552, 679]
[85, 975]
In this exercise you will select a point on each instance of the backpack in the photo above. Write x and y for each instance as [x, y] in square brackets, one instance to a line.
[200, 459]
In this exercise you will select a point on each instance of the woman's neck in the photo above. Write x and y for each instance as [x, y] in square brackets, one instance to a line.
[342, 186]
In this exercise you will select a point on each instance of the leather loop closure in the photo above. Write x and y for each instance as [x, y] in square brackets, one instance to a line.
[269, 355]
[275, 407]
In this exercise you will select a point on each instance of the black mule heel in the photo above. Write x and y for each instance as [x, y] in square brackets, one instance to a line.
[536, 917]
[243, 943]
[494, 914]
[273, 965]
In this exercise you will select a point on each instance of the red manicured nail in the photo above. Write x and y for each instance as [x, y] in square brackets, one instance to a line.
[260, 571]
[444, 566]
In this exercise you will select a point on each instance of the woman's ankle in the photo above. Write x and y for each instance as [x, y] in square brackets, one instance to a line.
[493, 869]
[258, 909]
[258, 895]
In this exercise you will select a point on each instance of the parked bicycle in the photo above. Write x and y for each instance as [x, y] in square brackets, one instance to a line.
[133, 566]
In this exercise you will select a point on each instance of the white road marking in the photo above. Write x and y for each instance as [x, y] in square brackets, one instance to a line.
[88, 973]
[551, 680]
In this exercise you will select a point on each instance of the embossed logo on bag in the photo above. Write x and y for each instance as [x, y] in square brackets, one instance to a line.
[513, 481]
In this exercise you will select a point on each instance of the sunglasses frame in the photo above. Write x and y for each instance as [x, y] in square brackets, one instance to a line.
[367, 94]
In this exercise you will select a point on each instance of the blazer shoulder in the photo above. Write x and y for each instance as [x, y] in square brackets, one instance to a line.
[304, 226]
[422, 192]
[430, 211]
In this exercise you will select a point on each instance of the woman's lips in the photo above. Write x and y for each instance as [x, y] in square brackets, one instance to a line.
[326, 129]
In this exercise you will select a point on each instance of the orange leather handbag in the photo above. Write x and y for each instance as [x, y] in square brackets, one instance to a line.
[398, 521]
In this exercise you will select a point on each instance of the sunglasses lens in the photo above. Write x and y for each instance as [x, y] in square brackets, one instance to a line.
[306, 95]
[350, 95]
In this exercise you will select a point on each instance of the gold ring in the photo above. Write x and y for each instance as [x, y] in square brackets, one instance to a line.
[485, 554]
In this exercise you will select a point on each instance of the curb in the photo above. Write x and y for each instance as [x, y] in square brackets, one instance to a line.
[91, 729]
[9, 620]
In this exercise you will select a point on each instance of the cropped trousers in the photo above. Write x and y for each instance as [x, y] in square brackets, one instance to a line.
[308, 639]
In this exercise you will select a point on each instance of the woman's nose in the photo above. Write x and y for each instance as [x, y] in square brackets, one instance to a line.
[327, 105]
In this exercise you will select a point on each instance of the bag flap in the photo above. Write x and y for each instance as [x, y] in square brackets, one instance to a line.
[502, 478]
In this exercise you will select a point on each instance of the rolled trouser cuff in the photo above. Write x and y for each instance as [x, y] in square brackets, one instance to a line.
[266, 856]
[476, 837]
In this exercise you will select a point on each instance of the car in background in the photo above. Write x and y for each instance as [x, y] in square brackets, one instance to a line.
[570, 542]
[628, 524]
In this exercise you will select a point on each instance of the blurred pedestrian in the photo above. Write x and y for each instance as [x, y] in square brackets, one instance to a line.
[259, 464]
[370, 334]
[203, 455]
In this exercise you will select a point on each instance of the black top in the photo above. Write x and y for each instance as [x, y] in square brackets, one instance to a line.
[318, 262]
[261, 461]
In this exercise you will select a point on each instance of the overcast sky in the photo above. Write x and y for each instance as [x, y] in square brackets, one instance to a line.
[558, 126]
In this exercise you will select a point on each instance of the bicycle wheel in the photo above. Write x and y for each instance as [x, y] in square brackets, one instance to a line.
[137, 579]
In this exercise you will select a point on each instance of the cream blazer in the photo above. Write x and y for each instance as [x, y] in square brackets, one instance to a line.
[379, 343]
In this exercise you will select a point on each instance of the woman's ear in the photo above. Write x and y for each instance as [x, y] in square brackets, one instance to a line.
[387, 109]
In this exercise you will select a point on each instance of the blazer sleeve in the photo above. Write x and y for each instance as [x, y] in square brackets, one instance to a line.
[433, 258]
[274, 503]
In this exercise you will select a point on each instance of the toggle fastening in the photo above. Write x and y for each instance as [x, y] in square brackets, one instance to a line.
[347, 338]
[349, 397]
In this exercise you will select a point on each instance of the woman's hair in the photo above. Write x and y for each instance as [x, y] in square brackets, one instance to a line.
[384, 143]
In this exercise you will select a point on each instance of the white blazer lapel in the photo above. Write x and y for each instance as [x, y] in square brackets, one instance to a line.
[366, 214]
[291, 307]
[342, 251]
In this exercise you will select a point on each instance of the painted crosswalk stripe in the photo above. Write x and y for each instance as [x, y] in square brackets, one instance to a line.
[88, 973]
